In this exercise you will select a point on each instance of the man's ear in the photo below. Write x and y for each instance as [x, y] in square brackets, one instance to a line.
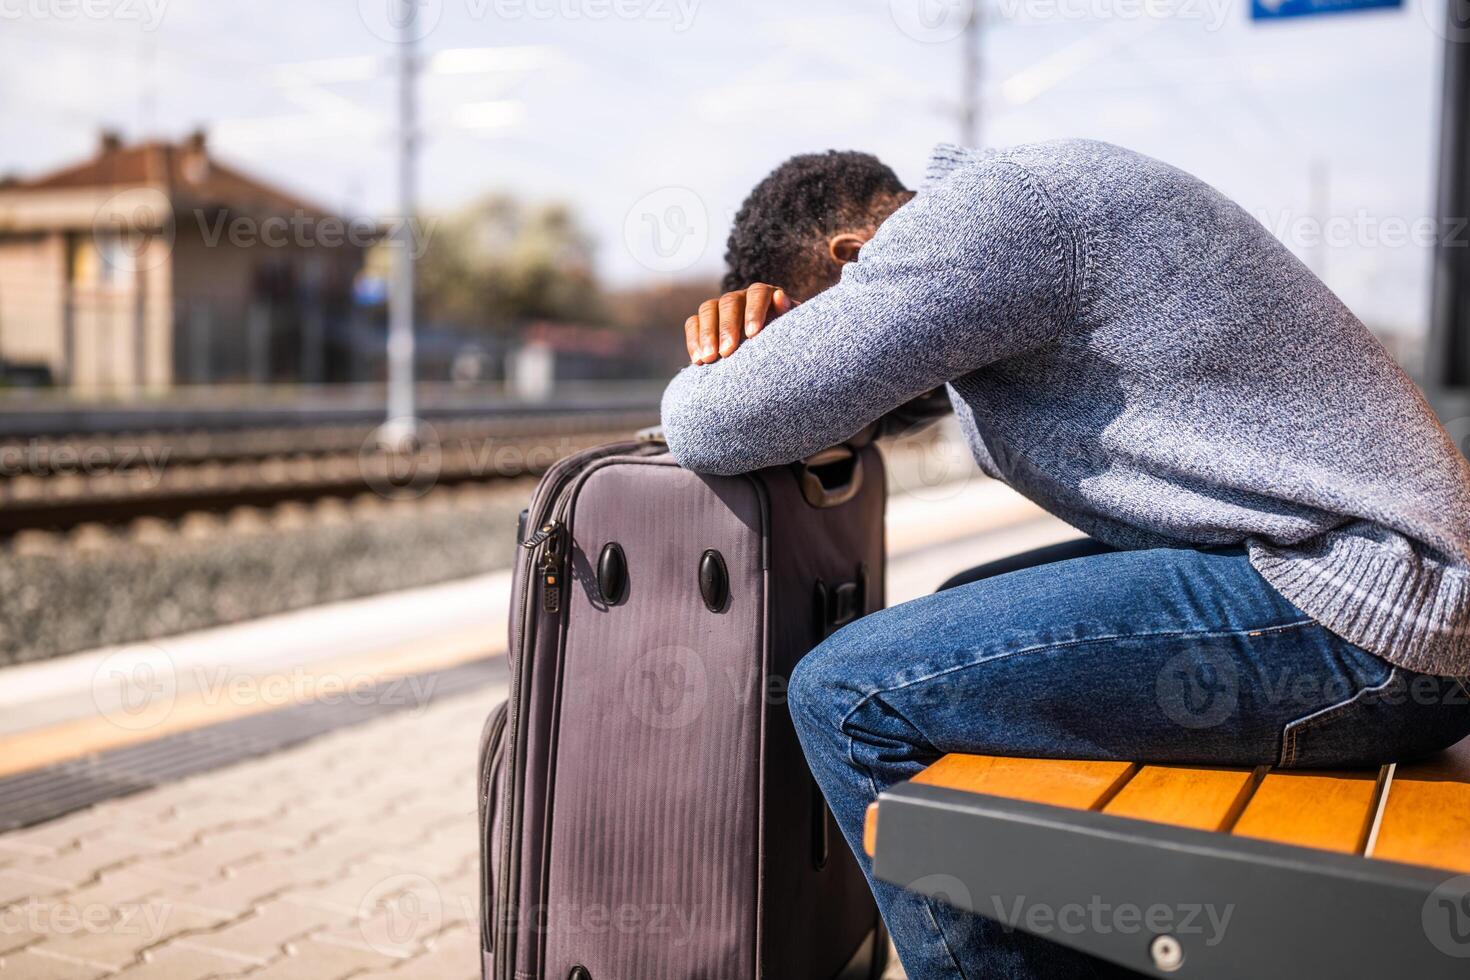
[844, 248]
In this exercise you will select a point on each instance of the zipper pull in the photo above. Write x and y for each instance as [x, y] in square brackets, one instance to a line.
[551, 573]
[547, 531]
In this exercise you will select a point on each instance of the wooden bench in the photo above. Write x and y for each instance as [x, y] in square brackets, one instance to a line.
[1194, 871]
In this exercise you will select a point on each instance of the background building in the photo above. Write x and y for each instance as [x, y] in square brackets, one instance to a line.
[154, 264]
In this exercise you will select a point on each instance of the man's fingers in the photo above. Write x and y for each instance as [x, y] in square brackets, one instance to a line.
[717, 329]
[691, 338]
[731, 306]
[709, 330]
[757, 302]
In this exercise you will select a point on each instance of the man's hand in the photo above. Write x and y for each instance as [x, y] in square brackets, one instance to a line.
[721, 324]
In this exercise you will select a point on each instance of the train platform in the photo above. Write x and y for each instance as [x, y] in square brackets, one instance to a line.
[330, 833]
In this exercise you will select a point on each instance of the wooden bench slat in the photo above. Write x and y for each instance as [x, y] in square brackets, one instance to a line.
[1421, 816]
[1426, 819]
[1330, 811]
[1059, 782]
[1205, 799]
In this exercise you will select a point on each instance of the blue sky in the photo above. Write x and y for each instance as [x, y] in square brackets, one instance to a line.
[622, 106]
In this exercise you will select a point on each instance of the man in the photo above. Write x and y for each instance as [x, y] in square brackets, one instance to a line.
[1280, 565]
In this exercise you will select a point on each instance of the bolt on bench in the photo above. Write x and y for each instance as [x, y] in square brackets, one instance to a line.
[1198, 872]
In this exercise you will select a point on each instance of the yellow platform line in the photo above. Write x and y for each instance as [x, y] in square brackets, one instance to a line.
[73, 739]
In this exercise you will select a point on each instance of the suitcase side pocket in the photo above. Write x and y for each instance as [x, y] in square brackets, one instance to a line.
[493, 744]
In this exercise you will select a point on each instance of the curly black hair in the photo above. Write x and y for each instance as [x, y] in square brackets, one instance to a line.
[779, 232]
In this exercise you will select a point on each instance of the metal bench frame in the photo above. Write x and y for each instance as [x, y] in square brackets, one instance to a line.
[1293, 912]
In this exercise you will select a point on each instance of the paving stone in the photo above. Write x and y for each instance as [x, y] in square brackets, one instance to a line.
[56, 835]
[175, 962]
[115, 935]
[130, 883]
[398, 917]
[441, 856]
[241, 889]
[311, 960]
[83, 863]
[261, 935]
[225, 849]
[458, 943]
[334, 855]
[214, 815]
[16, 886]
[357, 890]
[453, 955]
[27, 965]
[309, 818]
[15, 934]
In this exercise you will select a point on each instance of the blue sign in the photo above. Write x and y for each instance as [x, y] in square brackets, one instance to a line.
[1282, 9]
[369, 290]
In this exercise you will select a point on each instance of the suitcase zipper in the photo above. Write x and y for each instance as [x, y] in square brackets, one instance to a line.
[502, 927]
[492, 753]
[551, 537]
[553, 485]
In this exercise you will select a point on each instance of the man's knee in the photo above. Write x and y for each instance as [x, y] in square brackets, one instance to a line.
[816, 689]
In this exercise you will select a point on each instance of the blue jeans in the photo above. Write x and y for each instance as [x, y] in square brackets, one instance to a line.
[1167, 655]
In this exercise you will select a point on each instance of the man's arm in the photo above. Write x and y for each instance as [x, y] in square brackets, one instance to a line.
[974, 270]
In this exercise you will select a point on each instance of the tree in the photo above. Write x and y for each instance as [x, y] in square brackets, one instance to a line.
[499, 262]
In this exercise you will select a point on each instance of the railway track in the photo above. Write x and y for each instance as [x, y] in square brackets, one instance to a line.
[137, 440]
[65, 483]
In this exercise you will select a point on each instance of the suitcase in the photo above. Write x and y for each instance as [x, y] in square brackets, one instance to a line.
[645, 809]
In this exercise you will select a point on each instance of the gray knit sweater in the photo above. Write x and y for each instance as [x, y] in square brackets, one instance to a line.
[1135, 353]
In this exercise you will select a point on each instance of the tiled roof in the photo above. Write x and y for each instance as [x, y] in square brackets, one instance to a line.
[185, 171]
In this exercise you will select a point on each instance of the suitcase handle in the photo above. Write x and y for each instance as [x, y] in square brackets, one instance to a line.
[832, 477]
[835, 607]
